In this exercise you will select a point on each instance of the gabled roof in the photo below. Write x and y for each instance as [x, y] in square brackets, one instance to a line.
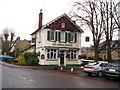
[63, 15]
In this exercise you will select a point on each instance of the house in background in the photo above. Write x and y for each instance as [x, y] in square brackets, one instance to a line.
[115, 52]
[89, 51]
[23, 46]
[58, 42]
[87, 39]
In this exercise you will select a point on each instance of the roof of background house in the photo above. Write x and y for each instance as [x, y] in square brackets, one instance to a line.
[115, 43]
[25, 46]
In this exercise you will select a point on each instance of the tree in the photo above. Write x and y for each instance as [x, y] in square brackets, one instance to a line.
[109, 27]
[8, 41]
[116, 14]
[92, 19]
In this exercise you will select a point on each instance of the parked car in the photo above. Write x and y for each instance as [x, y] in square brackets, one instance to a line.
[85, 62]
[97, 68]
[113, 70]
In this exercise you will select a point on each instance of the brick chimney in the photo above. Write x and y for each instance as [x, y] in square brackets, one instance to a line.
[40, 19]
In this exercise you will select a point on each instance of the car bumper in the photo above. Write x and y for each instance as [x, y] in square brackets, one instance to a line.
[90, 71]
[112, 74]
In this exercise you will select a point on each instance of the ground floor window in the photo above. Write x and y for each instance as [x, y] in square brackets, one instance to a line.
[72, 54]
[51, 54]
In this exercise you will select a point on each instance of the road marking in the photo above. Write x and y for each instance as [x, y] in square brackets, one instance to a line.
[22, 77]
[32, 80]
[26, 78]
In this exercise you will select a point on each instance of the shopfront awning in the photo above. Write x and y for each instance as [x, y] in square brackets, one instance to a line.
[6, 57]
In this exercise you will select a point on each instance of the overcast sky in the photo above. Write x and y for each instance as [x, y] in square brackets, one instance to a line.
[22, 15]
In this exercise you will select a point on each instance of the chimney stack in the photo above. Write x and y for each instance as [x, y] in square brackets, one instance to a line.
[40, 19]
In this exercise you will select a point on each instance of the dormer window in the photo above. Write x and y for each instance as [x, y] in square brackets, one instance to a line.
[62, 25]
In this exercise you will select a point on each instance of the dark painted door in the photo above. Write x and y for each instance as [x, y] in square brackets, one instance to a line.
[62, 58]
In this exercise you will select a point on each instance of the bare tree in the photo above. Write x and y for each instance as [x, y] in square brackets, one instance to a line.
[8, 40]
[109, 27]
[92, 19]
[116, 14]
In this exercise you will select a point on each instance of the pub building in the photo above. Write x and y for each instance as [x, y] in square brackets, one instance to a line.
[58, 42]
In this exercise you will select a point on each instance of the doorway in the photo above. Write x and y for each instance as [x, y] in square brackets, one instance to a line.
[62, 57]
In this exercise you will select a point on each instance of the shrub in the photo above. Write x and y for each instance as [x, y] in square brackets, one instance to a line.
[31, 58]
[7, 60]
[20, 59]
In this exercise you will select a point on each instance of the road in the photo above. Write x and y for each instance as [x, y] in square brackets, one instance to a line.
[30, 78]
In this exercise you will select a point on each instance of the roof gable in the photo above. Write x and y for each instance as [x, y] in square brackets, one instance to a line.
[69, 24]
[55, 24]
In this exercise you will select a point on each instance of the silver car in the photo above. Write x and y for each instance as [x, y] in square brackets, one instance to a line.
[97, 68]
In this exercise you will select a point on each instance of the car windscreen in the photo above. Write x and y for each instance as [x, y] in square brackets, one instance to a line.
[92, 64]
[114, 65]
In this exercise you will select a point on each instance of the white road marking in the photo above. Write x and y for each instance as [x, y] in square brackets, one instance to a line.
[32, 80]
[26, 78]
[22, 77]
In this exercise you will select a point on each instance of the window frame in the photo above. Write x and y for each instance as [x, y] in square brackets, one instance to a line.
[73, 37]
[87, 39]
[72, 52]
[54, 57]
[62, 34]
[54, 35]
[62, 25]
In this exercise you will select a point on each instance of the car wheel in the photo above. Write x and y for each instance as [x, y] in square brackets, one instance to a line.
[89, 74]
[100, 74]
[107, 77]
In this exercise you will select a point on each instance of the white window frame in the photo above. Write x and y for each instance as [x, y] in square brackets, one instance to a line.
[50, 35]
[73, 37]
[87, 39]
[62, 25]
[74, 53]
[54, 54]
[62, 37]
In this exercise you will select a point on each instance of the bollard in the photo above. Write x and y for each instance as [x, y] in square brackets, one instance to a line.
[61, 69]
[72, 71]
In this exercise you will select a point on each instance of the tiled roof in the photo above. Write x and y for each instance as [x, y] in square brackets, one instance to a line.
[63, 15]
